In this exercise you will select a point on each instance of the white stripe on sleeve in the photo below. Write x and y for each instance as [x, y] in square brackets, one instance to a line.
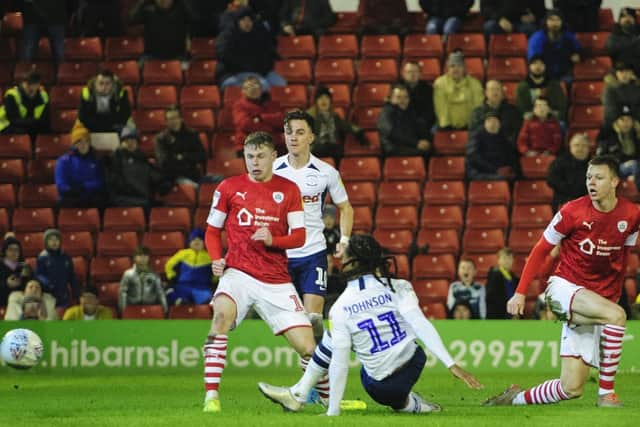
[216, 218]
[295, 219]
[631, 239]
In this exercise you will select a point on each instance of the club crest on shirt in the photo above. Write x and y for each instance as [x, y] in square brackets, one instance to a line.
[311, 180]
[622, 226]
[278, 196]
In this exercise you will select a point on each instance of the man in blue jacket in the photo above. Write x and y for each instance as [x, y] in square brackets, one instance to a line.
[54, 270]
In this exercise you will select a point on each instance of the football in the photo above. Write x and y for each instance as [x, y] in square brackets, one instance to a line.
[21, 348]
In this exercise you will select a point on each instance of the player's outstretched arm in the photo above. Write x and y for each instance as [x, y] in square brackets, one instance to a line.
[346, 225]
[468, 378]
[213, 241]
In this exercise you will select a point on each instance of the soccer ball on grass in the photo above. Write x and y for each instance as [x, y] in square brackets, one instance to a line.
[21, 348]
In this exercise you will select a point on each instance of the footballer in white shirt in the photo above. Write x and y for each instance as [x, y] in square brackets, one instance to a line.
[380, 319]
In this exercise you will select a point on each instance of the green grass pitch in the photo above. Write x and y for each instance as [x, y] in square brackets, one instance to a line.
[33, 398]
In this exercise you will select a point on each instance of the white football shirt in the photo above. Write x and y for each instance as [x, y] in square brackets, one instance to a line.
[315, 180]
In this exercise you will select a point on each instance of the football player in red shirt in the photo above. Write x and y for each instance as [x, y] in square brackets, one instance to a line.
[596, 233]
[257, 210]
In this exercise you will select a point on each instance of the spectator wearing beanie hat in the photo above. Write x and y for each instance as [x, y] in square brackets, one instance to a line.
[329, 128]
[621, 89]
[54, 270]
[189, 270]
[538, 83]
[621, 139]
[623, 45]
[79, 174]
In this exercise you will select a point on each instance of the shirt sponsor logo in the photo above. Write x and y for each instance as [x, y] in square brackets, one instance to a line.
[244, 217]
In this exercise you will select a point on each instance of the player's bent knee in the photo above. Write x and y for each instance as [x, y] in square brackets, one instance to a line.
[572, 390]
[617, 316]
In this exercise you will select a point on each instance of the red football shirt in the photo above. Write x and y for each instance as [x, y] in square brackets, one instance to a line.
[241, 206]
[592, 252]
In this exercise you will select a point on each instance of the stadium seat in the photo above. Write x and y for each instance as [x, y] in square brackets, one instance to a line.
[353, 147]
[417, 21]
[199, 96]
[109, 293]
[446, 168]
[371, 94]
[380, 46]
[143, 312]
[12, 25]
[32, 243]
[334, 70]
[4, 220]
[444, 193]
[291, 96]
[116, 243]
[487, 216]
[475, 67]
[514, 44]
[223, 144]
[434, 311]
[203, 48]
[124, 47]
[362, 219]
[489, 193]
[78, 243]
[399, 193]
[7, 196]
[108, 269]
[429, 68]
[586, 116]
[525, 192]
[397, 217]
[200, 216]
[338, 46]
[205, 193]
[346, 22]
[32, 219]
[45, 68]
[127, 70]
[605, 19]
[404, 169]
[441, 216]
[531, 216]
[163, 243]
[509, 89]
[157, 96]
[201, 119]
[180, 195]
[377, 70]
[124, 219]
[593, 44]
[294, 70]
[472, 45]
[507, 69]
[521, 240]
[400, 265]
[366, 117]
[341, 94]
[584, 92]
[360, 169]
[74, 219]
[201, 71]
[422, 46]
[225, 168]
[394, 241]
[82, 49]
[160, 72]
[197, 311]
[434, 290]
[296, 47]
[63, 120]
[15, 146]
[483, 263]
[170, 219]
[361, 193]
[149, 121]
[451, 142]
[592, 68]
[439, 241]
[434, 267]
[78, 73]
[65, 96]
[38, 195]
[225, 117]
[230, 95]
[12, 171]
[482, 241]
[536, 167]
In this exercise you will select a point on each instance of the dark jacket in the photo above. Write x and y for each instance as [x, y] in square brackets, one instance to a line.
[556, 54]
[486, 153]
[307, 16]
[239, 51]
[113, 120]
[165, 31]
[510, 119]
[400, 131]
[44, 13]
[625, 46]
[330, 145]
[375, 14]
[511, 10]
[421, 101]
[186, 143]
[132, 179]
[446, 8]
[32, 119]
[580, 15]
[5, 273]
[549, 88]
[609, 142]
[566, 178]
[78, 175]
[499, 290]
[618, 95]
[54, 270]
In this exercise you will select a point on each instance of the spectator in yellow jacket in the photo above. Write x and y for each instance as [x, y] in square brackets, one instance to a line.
[189, 270]
[88, 309]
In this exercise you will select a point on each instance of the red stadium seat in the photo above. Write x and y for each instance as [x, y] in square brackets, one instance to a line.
[446, 168]
[73, 219]
[124, 47]
[149, 121]
[507, 69]
[12, 26]
[108, 269]
[360, 169]
[593, 44]
[380, 46]
[32, 243]
[201, 119]
[82, 49]
[15, 146]
[38, 195]
[346, 22]
[377, 70]
[394, 241]
[51, 146]
[126, 70]
[205, 193]
[229, 167]
[429, 68]
[12, 171]
[203, 48]
[434, 267]
[397, 217]
[399, 193]
[116, 243]
[223, 143]
[341, 94]
[157, 96]
[521, 240]
[514, 44]
[435, 311]
[469, 44]
[292, 96]
[441, 216]
[201, 71]
[65, 96]
[143, 312]
[361, 193]
[338, 46]
[201, 311]
[439, 241]
[7, 196]
[435, 290]
[531, 216]
[124, 219]
[294, 47]
[4, 220]
[422, 46]
[482, 241]
[371, 94]
[536, 167]
[230, 95]
[509, 89]
[353, 147]
[592, 68]
[532, 192]
[444, 193]
[404, 169]
[483, 263]
[362, 219]
[45, 68]
[586, 116]
[605, 19]
[78, 73]
[332, 70]
[162, 72]
[225, 117]
[200, 217]
[163, 243]
[78, 243]
[200, 96]
[475, 67]
[451, 142]
[180, 195]
[109, 293]
[294, 70]
[401, 267]
[170, 219]
[489, 192]
[32, 219]
[63, 120]
[487, 216]
[366, 117]
[583, 92]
